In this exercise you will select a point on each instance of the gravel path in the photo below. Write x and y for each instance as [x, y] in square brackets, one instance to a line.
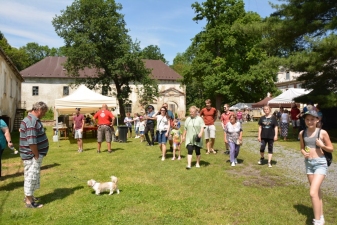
[293, 163]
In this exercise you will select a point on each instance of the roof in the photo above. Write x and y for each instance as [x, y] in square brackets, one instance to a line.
[262, 103]
[11, 64]
[91, 103]
[51, 67]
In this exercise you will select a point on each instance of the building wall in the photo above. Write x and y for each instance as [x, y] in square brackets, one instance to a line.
[52, 88]
[287, 79]
[10, 91]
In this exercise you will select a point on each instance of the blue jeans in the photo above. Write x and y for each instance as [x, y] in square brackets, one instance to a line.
[316, 165]
[162, 139]
[234, 150]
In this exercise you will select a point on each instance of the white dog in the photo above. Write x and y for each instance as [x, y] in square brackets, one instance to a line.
[100, 187]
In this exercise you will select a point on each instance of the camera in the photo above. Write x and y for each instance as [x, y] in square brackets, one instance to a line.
[197, 138]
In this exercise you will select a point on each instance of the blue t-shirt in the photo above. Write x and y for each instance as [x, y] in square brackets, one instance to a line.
[150, 115]
[3, 141]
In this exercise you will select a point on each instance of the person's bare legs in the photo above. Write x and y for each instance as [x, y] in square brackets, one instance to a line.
[315, 181]
[198, 160]
[269, 157]
[189, 160]
[99, 146]
[163, 150]
[212, 144]
[208, 146]
[109, 146]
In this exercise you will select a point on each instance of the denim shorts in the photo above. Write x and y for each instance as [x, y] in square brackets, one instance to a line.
[316, 166]
[162, 139]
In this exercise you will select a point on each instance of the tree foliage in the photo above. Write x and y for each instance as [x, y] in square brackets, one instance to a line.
[95, 37]
[18, 56]
[228, 60]
[38, 52]
[153, 52]
[306, 32]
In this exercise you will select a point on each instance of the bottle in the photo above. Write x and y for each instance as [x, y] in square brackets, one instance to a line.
[13, 149]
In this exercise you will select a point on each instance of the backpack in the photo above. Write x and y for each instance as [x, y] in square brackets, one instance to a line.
[328, 155]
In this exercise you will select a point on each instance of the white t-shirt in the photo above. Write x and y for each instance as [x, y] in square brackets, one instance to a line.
[284, 118]
[162, 123]
[137, 121]
[142, 126]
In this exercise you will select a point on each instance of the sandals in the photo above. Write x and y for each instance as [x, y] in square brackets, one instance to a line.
[213, 151]
[35, 199]
[98, 151]
[110, 151]
[34, 205]
[208, 152]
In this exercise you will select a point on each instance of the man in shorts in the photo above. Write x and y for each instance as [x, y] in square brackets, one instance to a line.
[209, 115]
[105, 122]
[78, 120]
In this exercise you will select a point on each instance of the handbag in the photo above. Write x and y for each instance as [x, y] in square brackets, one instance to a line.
[238, 142]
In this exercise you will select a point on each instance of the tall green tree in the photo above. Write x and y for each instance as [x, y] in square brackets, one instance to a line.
[95, 37]
[18, 56]
[38, 52]
[153, 52]
[305, 32]
[227, 63]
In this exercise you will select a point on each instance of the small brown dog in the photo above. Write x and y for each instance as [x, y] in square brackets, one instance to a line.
[107, 186]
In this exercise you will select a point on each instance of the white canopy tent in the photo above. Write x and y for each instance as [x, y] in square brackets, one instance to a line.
[85, 99]
[289, 95]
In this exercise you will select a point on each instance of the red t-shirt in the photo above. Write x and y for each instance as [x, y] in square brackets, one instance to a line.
[104, 117]
[78, 121]
[293, 113]
[225, 117]
[208, 115]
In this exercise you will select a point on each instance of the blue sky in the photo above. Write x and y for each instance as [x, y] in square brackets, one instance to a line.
[166, 23]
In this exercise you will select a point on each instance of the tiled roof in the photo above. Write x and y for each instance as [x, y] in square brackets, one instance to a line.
[51, 67]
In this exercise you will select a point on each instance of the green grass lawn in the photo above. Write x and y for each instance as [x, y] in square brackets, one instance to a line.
[156, 192]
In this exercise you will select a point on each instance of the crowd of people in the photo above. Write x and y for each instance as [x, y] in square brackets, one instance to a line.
[307, 125]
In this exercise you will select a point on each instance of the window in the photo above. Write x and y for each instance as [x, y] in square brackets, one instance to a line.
[35, 90]
[105, 90]
[287, 75]
[65, 90]
[128, 108]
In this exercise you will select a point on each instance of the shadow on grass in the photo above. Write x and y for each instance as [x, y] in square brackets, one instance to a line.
[59, 193]
[305, 210]
[18, 174]
[11, 186]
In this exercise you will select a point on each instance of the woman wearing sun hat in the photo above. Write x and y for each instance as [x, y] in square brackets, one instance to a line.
[312, 141]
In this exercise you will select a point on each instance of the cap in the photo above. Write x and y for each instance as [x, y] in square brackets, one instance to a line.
[311, 112]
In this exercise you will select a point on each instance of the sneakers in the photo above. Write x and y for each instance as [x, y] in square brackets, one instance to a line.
[174, 158]
[188, 167]
[233, 164]
[269, 165]
[163, 158]
[197, 165]
[317, 222]
[137, 137]
[179, 158]
[235, 161]
[260, 162]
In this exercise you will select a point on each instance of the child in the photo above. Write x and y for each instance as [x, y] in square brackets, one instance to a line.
[141, 128]
[137, 122]
[128, 120]
[176, 134]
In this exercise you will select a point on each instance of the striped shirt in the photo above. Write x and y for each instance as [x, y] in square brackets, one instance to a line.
[32, 132]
